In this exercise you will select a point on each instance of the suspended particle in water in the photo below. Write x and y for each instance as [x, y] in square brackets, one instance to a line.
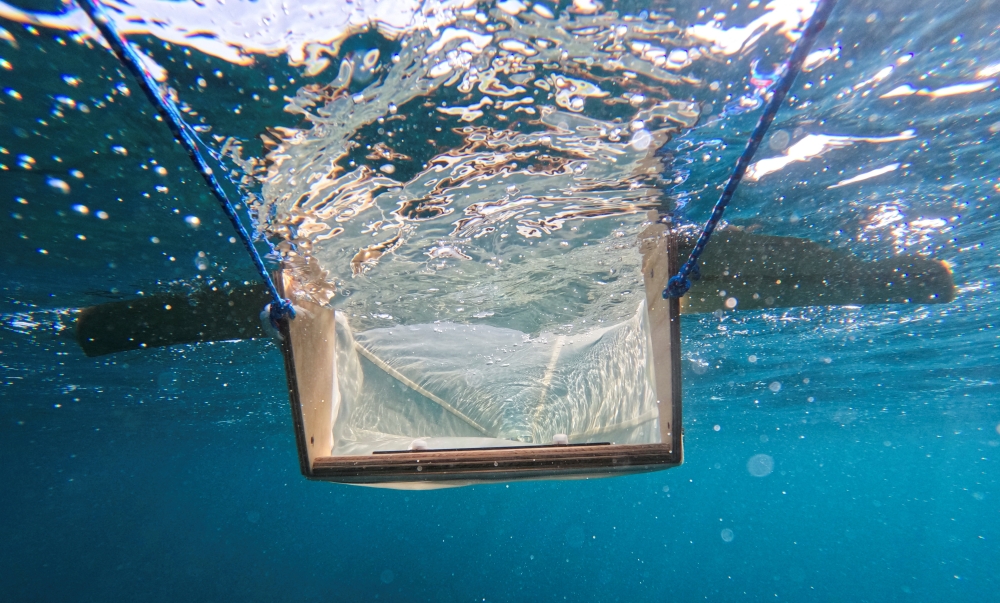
[82, 209]
[202, 82]
[388, 168]
[779, 140]
[253, 516]
[760, 465]
[998, 428]
[752, 358]
[575, 537]
[699, 366]
[120, 150]
[731, 303]
[727, 535]
[193, 221]
[102, 215]
[775, 386]
[717, 428]
[387, 576]
[201, 261]
[169, 380]
[764, 439]
[665, 488]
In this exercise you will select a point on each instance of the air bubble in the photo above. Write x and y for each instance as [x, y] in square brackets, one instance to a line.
[59, 185]
[641, 140]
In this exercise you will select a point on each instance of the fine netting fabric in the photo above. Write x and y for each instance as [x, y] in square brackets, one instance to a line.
[457, 385]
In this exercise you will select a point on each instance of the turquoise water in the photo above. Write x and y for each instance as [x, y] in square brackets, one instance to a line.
[171, 474]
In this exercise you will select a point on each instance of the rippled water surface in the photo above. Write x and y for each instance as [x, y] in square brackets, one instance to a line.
[493, 164]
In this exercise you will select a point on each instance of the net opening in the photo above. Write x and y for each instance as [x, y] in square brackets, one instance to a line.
[393, 407]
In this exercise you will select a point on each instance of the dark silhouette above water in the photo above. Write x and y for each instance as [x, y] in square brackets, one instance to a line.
[740, 271]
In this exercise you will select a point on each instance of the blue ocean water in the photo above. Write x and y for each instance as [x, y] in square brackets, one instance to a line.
[170, 474]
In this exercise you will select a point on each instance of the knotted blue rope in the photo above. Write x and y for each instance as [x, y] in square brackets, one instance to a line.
[280, 307]
[679, 284]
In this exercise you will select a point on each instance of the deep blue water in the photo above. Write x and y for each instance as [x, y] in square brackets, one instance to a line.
[171, 475]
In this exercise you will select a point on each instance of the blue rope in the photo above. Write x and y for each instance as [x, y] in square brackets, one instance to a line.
[679, 284]
[280, 307]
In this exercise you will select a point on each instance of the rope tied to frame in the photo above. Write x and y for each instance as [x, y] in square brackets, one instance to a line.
[168, 111]
[679, 284]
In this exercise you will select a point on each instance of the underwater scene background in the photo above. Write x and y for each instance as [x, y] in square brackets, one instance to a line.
[831, 453]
